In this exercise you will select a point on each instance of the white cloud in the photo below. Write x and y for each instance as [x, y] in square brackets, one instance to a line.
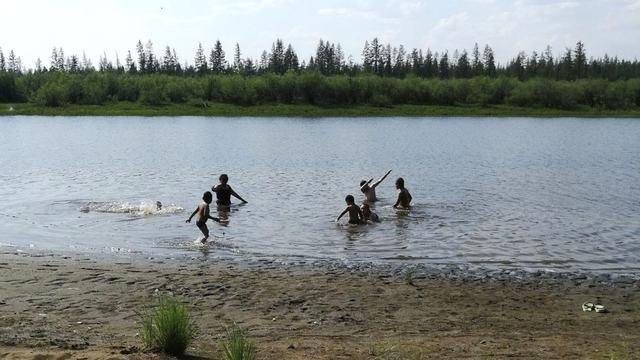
[410, 7]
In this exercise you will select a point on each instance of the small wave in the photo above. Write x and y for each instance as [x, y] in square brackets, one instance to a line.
[144, 208]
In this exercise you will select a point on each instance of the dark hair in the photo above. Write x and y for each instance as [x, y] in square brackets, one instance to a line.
[207, 196]
[363, 182]
[400, 182]
[349, 198]
[223, 176]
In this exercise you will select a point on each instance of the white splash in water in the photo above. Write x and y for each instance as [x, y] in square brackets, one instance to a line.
[144, 208]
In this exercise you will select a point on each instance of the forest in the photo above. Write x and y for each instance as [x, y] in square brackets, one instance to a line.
[386, 76]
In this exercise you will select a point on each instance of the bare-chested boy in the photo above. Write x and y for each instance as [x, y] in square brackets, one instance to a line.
[369, 190]
[404, 197]
[203, 215]
[355, 214]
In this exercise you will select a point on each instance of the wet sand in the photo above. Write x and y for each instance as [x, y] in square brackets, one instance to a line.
[60, 308]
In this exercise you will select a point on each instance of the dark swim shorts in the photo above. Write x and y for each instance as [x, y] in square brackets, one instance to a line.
[200, 223]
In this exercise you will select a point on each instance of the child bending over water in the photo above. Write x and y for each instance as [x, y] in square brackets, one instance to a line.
[355, 214]
[203, 215]
[368, 215]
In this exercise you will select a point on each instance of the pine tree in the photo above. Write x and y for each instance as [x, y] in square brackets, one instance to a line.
[376, 58]
[478, 66]
[152, 62]
[129, 64]
[428, 65]
[87, 65]
[367, 61]
[142, 58]
[38, 65]
[237, 59]
[580, 61]
[548, 58]
[217, 60]
[290, 59]
[264, 62]
[12, 62]
[464, 69]
[200, 61]
[54, 60]
[168, 64]
[61, 64]
[489, 61]
[339, 60]
[276, 58]
[567, 66]
[398, 68]
[3, 64]
[444, 66]
[74, 64]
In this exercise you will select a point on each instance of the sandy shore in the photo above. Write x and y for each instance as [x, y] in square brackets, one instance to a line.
[71, 308]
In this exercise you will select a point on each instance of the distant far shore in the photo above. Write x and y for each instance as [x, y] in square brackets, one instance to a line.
[306, 110]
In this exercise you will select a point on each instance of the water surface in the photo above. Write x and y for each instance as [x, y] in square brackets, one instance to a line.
[558, 194]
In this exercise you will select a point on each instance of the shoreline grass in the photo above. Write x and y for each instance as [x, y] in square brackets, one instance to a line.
[306, 110]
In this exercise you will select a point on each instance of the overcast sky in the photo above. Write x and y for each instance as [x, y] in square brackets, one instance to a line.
[32, 28]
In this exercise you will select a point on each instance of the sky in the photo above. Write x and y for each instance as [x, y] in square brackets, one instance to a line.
[31, 28]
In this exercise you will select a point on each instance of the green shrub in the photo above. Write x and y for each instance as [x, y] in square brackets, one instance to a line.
[168, 327]
[152, 90]
[51, 95]
[237, 346]
[379, 100]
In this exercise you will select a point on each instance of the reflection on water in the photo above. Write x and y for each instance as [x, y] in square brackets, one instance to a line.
[534, 193]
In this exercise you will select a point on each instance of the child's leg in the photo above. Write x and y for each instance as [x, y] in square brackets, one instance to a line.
[205, 232]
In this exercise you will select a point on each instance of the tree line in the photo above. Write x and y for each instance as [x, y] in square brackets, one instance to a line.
[385, 77]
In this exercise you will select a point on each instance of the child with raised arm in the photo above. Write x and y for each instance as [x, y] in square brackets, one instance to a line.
[203, 215]
[404, 197]
[355, 214]
[369, 190]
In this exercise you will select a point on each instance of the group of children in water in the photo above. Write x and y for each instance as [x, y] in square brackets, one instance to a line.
[362, 214]
[357, 214]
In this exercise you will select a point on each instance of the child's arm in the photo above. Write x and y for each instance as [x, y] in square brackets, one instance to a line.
[382, 178]
[342, 214]
[214, 218]
[398, 201]
[237, 196]
[192, 215]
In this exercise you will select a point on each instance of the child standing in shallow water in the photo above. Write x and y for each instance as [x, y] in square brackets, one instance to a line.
[203, 215]
[355, 214]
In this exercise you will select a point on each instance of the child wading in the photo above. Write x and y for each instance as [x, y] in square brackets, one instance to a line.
[355, 214]
[203, 215]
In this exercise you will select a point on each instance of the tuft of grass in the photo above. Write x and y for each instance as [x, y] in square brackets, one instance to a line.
[237, 346]
[409, 277]
[168, 326]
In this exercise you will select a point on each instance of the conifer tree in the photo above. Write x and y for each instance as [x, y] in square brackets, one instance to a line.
[74, 64]
[444, 66]
[142, 58]
[217, 60]
[464, 69]
[489, 61]
[478, 66]
[580, 61]
[54, 60]
[129, 64]
[3, 65]
[367, 61]
[152, 62]
[61, 65]
[38, 65]
[237, 59]
[200, 61]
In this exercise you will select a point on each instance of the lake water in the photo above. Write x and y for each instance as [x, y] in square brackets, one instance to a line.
[558, 194]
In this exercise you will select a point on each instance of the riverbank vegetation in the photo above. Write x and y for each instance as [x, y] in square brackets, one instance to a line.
[389, 81]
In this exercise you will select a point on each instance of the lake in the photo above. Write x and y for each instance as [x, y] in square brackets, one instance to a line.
[557, 194]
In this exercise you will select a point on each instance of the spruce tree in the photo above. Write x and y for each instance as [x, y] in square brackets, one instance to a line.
[237, 59]
[142, 58]
[489, 61]
[3, 65]
[54, 60]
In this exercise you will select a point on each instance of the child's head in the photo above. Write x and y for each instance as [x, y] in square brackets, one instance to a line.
[223, 179]
[363, 182]
[400, 183]
[349, 199]
[207, 197]
[365, 209]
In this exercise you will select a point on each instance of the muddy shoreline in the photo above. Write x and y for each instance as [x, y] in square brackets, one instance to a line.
[78, 307]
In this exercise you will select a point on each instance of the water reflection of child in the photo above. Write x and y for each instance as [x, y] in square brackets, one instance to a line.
[203, 215]
[355, 214]
[224, 191]
[369, 215]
